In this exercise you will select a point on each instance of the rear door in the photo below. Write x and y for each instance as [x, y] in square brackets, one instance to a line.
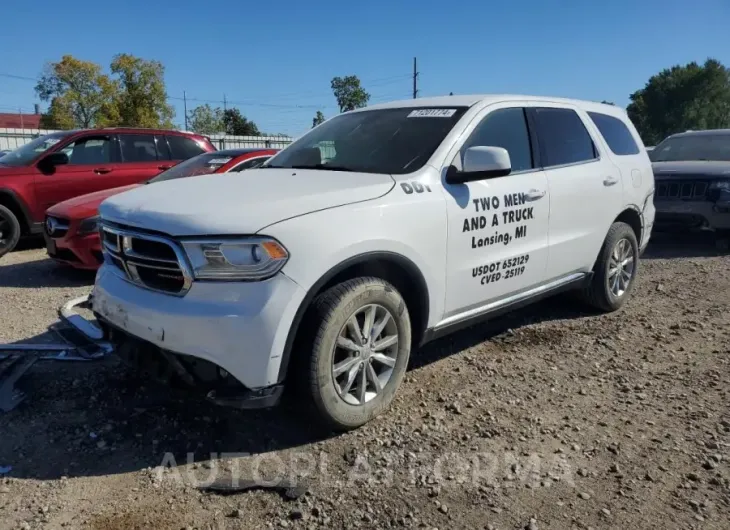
[585, 187]
[183, 147]
[143, 157]
[93, 159]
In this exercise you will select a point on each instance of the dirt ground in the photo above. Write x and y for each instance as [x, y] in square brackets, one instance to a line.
[548, 418]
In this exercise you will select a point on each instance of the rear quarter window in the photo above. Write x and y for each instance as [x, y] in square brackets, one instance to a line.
[182, 148]
[617, 135]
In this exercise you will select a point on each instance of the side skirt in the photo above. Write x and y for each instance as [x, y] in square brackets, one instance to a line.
[506, 305]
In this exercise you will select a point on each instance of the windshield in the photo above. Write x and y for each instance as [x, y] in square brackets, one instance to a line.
[393, 141]
[25, 154]
[202, 164]
[693, 147]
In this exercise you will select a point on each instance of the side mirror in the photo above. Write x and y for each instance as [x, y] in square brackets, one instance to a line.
[56, 159]
[48, 164]
[481, 162]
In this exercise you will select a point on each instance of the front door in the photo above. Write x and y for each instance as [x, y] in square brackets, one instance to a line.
[91, 165]
[498, 227]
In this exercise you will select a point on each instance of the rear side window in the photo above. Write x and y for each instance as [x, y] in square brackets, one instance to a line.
[617, 135]
[563, 137]
[506, 128]
[138, 147]
[182, 148]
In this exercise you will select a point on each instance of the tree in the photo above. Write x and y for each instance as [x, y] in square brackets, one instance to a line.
[318, 118]
[236, 123]
[141, 100]
[205, 119]
[81, 95]
[681, 98]
[349, 93]
[608, 102]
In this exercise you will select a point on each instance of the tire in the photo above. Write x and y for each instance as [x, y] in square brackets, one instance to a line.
[339, 408]
[600, 293]
[9, 230]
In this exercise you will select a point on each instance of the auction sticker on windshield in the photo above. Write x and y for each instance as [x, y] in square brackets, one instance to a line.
[218, 161]
[432, 113]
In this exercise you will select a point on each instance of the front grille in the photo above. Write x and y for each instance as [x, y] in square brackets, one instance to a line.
[677, 189]
[56, 227]
[150, 261]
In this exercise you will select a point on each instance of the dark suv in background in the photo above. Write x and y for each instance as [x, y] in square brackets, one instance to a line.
[692, 178]
[66, 164]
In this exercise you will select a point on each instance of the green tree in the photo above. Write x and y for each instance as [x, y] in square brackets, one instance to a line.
[141, 99]
[679, 98]
[237, 124]
[349, 93]
[608, 102]
[81, 95]
[205, 119]
[318, 118]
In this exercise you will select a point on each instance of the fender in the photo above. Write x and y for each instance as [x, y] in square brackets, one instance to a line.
[27, 220]
[414, 273]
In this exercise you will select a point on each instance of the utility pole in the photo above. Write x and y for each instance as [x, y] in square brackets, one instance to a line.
[224, 103]
[415, 79]
[185, 109]
[20, 113]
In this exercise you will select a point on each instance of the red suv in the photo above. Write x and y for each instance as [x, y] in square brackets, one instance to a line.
[66, 164]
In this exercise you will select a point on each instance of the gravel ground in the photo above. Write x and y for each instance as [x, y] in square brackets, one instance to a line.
[548, 418]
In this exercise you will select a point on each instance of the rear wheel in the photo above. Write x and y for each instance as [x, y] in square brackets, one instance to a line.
[9, 230]
[360, 350]
[615, 270]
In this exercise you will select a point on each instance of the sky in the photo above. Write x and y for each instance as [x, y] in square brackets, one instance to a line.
[275, 60]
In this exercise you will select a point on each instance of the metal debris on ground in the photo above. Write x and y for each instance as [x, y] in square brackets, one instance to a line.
[81, 341]
[227, 484]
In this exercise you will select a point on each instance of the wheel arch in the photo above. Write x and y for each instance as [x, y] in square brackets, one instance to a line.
[632, 216]
[395, 268]
[15, 204]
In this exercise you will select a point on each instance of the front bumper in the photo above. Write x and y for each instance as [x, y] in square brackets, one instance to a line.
[80, 252]
[692, 215]
[240, 327]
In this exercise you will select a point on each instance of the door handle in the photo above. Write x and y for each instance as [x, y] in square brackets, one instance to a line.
[102, 170]
[610, 181]
[163, 168]
[534, 195]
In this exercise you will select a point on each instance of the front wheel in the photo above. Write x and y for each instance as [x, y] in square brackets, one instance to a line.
[615, 270]
[9, 230]
[360, 351]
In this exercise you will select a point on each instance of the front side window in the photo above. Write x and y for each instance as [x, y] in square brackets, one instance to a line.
[393, 141]
[506, 128]
[25, 154]
[617, 135]
[563, 137]
[138, 147]
[690, 147]
[89, 150]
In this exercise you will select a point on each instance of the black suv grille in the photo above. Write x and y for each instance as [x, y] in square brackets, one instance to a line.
[678, 189]
[151, 261]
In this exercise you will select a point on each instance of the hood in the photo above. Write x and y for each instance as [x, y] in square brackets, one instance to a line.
[11, 171]
[85, 205]
[238, 203]
[691, 168]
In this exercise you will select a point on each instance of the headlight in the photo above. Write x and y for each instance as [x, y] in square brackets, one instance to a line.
[89, 225]
[254, 258]
[720, 185]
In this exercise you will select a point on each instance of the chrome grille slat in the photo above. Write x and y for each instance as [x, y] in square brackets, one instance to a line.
[147, 269]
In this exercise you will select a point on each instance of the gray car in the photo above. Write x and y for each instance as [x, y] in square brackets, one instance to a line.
[692, 178]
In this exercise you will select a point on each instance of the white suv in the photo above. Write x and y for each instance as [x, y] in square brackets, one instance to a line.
[378, 230]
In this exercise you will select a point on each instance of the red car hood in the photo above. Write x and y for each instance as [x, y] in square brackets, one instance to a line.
[85, 205]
